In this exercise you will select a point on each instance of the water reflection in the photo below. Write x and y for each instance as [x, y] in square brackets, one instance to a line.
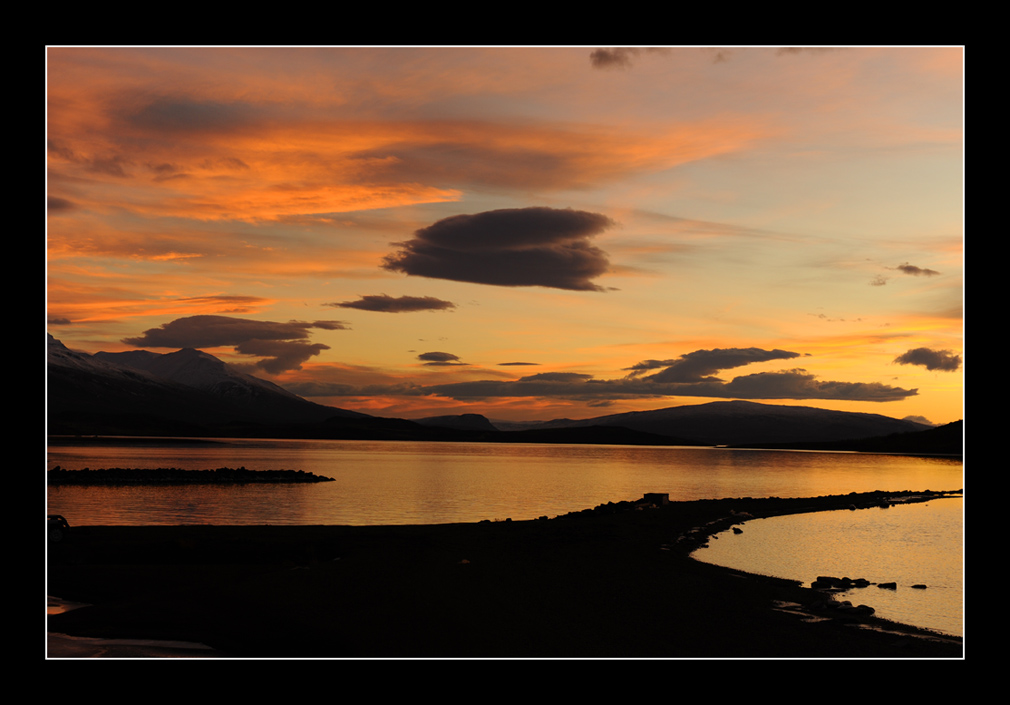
[909, 544]
[391, 482]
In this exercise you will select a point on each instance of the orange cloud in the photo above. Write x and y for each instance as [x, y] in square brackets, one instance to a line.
[91, 302]
[193, 156]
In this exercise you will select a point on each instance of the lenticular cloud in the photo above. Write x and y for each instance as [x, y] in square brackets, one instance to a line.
[513, 247]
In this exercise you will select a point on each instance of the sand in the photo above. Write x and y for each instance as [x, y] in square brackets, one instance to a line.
[616, 581]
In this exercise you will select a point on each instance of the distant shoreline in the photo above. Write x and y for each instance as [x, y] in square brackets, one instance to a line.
[176, 476]
[67, 440]
[61, 440]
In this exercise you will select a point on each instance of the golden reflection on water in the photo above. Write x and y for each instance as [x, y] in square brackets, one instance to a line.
[393, 482]
[912, 544]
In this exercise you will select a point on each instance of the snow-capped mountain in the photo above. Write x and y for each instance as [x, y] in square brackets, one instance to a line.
[199, 370]
[177, 390]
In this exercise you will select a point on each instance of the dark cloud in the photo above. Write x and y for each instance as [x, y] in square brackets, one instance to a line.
[687, 376]
[439, 359]
[109, 166]
[167, 172]
[286, 345]
[625, 57]
[57, 204]
[328, 325]
[640, 368]
[389, 304]
[512, 247]
[943, 360]
[792, 384]
[914, 271]
[280, 355]
[566, 377]
[61, 150]
[691, 376]
[701, 365]
[217, 331]
[620, 57]
[799, 384]
[509, 364]
[226, 163]
[167, 114]
[905, 268]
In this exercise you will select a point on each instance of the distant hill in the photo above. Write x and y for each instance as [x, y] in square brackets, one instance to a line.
[743, 422]
[941, 440]
[467, 422]
[193, 394]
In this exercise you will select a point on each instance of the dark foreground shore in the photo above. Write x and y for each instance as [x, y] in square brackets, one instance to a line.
[615, 581]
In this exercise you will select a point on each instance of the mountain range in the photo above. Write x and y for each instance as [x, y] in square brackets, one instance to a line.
[193, 393]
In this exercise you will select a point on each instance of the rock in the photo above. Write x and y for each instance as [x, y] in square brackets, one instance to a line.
[888, 586]
[855, 611]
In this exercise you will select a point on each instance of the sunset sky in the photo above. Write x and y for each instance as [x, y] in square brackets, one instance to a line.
[521, 232]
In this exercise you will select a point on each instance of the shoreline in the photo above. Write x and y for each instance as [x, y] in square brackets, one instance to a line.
[615, 581]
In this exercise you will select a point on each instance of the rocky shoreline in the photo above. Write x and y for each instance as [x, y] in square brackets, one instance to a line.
[615, 581]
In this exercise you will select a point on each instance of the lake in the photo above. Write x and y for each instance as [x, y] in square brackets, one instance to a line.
[907, 544]
[393, 482]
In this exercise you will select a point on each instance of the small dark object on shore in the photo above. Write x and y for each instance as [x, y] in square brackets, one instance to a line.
[57, 527]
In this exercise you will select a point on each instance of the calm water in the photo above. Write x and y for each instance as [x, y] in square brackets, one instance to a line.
[911, 544]
[390, 482]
